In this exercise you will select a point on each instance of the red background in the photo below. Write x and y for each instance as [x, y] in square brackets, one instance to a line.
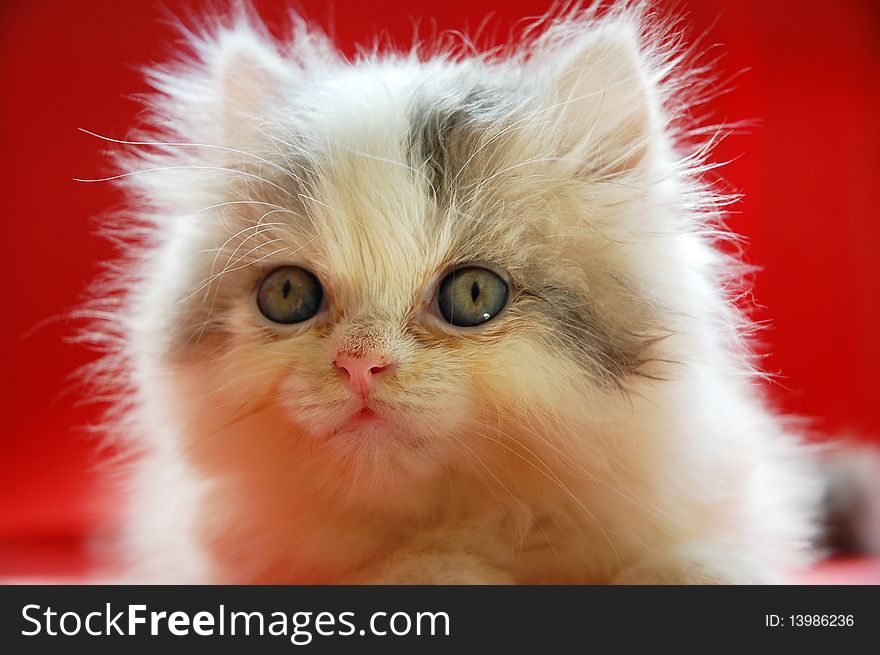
[809, 172]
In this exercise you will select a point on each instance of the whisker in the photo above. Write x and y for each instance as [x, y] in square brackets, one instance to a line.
[180, 167]
[184, 144]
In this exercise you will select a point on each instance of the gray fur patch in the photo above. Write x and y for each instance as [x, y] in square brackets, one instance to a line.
[444, 139]
[609, 355]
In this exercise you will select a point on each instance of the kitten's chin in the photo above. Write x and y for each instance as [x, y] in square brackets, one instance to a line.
[372, 461]
[374, 433]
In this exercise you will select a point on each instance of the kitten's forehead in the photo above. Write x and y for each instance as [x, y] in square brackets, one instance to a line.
[398, 173]
[369, 202]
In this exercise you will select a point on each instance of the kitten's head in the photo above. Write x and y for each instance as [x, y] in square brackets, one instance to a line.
[403, 260]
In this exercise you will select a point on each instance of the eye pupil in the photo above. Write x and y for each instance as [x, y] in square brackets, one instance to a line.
[289, 294]
[471, 295]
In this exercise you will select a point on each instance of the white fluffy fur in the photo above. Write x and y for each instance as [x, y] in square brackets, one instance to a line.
[509, 459]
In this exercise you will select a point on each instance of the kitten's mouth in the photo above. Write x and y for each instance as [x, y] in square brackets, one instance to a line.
[363, 419]
[364, 414]
[368, 415]
[376, 425]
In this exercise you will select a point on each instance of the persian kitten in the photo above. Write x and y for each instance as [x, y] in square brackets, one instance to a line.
[441, 317]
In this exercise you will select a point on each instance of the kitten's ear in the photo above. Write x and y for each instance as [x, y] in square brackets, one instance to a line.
[248, 76]
[602, 97]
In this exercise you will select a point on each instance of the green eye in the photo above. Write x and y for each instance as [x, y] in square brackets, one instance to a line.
[471, 295]
[289, 294]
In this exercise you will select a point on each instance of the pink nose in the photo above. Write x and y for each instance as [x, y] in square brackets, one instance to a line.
[364, 373]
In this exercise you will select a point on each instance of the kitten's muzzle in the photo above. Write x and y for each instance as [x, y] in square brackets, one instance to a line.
[363, 372]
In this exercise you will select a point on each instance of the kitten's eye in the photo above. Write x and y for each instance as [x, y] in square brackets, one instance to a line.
[289, 294]
[471, 295]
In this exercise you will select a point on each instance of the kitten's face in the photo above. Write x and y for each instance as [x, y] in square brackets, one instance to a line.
[404, 262]
[384, 324]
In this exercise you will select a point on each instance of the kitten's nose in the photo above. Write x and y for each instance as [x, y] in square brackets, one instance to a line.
[364, 373]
